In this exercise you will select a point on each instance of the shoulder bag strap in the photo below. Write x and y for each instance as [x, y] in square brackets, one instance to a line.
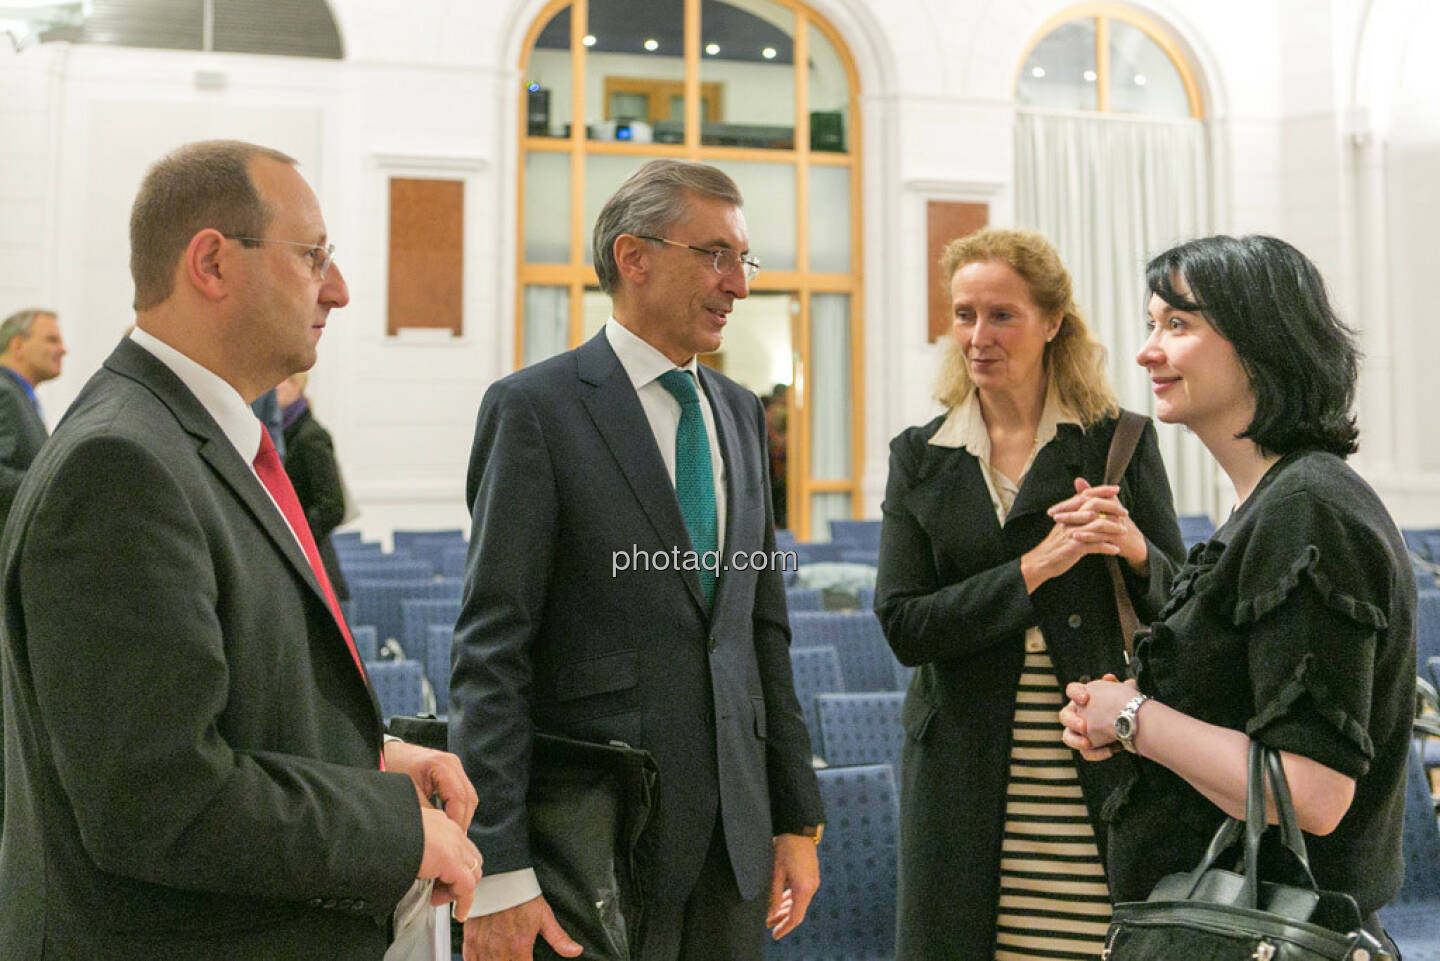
[1122, 447]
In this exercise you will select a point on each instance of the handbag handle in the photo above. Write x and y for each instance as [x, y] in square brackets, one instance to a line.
[1263, 761]
[1123, 442]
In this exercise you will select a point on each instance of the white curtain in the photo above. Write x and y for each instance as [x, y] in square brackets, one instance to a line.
[1110, 193]
[547, 322]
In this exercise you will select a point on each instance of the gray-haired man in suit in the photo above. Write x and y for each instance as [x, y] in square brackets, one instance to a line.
[32, 350]
[624, 447]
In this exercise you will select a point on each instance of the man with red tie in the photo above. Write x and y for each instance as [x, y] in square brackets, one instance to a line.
[194, 757]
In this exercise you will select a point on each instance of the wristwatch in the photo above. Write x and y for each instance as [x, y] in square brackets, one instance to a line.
[1127, 723]
[813, 832]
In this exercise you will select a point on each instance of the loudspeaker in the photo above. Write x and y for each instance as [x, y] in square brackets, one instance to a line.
[537, 112]
[827, 131]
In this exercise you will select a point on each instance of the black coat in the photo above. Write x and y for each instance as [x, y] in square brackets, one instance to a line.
[953, 602]
[564, 473]
[315, 474]
[191, 752]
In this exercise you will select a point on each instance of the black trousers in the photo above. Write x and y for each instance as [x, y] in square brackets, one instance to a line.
[712, 923]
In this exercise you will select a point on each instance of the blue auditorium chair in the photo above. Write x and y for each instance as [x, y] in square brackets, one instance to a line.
[452, 560]
[816, 671]
[386, 566]
[865, 598]
[804, 599]
[377, 602]
[856, 555]
[861, 535]
[399, 687]
[865, 658]
[1418, 539]
[1195, 528]
[861, 728]
[1411, 918]
[852, 917]
[1427, 625]
[428, 546]
[437, 663]
[818, 553]
[366, 643]
[416, 617]
[345, 538]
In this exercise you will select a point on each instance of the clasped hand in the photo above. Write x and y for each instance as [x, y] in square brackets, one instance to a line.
[1092, 522]
[1089, 717]
[449, 855]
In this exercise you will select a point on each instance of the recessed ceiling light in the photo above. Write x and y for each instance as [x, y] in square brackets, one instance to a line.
[712, 48]
[1090, 76]
[1037, 72]
[1140, 80]
[768, 53]
[652, 45]
[589, 40]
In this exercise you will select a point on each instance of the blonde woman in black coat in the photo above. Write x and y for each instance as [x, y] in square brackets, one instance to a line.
[992, 583]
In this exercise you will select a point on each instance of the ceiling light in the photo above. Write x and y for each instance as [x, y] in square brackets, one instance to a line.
[588, 40]
[712, 48]
[1037, 72]
[1090, 76]
[652, 45]
[768, 53]
[23, 21]
[1140, 80]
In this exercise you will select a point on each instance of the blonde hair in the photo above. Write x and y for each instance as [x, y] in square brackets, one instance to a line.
[1074, 359]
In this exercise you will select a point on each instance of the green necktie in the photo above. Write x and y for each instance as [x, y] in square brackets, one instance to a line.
[694, 477]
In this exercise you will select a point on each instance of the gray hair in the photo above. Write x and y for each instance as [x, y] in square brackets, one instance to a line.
[19, 323]
[650, 202]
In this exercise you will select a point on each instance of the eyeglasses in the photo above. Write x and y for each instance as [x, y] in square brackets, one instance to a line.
[726, 259]
[321, 256]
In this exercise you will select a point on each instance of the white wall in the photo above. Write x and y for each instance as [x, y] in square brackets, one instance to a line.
[435, 93]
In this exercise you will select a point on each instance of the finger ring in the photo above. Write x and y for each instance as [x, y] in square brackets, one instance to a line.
[474, 863]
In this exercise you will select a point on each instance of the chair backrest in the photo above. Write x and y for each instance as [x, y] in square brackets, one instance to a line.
[1418, 539]
[861, 728]
[1427, 624]
[1195, 528]
[855, 555]
[366, 643]
[452, 560]
[861, 535]
[865, 598]
[386, 567]
[1421, 836]
[816, 671]
[416, 616]
[816, 553]
[339, 538]
[865, 658]
[439, 639]
[852, 917]
[377, 602]
[398, 687]
[804, 599]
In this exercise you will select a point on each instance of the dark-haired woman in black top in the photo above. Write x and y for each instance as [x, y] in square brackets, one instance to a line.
[1293, 624]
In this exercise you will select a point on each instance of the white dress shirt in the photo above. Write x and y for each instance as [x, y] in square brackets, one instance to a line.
[643, 364]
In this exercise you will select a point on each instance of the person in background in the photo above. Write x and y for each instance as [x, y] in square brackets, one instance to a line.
[1294, 623]
[999, 605]
[310, 461]
[195, 759]
[32, 351]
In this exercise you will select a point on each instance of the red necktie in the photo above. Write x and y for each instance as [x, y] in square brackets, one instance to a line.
[272, 474]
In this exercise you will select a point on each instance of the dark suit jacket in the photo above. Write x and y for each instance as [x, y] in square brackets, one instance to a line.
[310, 462]
[191, 753]
[21, 434]
[564, 473]
[952, 600]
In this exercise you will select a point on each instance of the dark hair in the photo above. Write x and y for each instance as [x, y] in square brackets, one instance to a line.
[1268, 300]
[200, 185]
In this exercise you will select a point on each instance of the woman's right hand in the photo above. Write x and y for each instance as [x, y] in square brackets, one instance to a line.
[1055, 555]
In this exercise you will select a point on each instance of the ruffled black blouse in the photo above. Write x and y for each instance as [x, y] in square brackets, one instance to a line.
[1295, 624]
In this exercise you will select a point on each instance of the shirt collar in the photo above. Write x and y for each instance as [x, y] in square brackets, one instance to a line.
[220, 400]
[643, 363]
[964, 426]
[25, 385]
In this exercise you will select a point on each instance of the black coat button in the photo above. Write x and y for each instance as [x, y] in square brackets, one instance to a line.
[1075, 620]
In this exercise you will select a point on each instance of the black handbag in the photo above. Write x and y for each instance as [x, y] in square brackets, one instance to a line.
[587, 806]
[1213, 914]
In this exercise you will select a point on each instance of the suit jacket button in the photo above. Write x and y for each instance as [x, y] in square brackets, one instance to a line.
[360, 904]
[713, 643]
[316, 902]
[1075, 620]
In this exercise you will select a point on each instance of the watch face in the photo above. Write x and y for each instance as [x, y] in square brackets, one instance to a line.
[1124, 726]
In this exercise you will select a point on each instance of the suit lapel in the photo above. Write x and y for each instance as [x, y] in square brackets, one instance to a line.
[729, 443]
[1051, 477]
[138, 364]
[615, 410]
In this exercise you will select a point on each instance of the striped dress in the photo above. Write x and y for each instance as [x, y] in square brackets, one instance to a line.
[1054, 902]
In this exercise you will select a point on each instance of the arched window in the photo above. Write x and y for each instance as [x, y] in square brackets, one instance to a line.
[765, 90]
[1113, 165]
